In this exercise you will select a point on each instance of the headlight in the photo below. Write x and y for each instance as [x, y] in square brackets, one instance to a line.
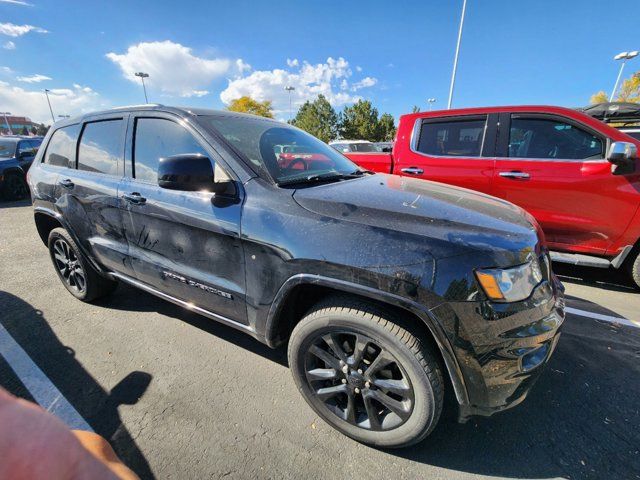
[510, 284]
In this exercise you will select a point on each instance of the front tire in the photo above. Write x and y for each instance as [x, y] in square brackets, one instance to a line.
[366, 375]
[75, 272]
[634, 267]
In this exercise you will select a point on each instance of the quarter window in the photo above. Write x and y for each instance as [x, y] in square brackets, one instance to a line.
[61, 150]
[157, 138]
[101, 147]
[454, 138]
[547, 138]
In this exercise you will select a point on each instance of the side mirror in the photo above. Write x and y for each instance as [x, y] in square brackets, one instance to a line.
[622, 156]
[25, 154]
[189, 172]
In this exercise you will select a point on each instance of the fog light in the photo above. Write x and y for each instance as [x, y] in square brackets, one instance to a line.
[532, 359]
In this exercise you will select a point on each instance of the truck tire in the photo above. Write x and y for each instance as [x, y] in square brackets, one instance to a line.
[75, 272]
[634, 266]
[15, 187]
[366, 375]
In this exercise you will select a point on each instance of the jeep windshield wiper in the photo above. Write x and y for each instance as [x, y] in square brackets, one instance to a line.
[316, 178]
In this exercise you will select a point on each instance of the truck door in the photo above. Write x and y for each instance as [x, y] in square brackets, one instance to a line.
[555, 168]
[456, 150]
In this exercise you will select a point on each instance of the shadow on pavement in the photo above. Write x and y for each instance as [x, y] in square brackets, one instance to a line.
[606, 279]
[14, 203]
[98, 407]
[580, 421]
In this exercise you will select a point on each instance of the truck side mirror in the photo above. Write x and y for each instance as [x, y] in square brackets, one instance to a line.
[189, 172]
[622, 156]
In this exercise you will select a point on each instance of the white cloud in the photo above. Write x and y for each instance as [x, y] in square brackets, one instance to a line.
[173, 68]
[9, 45]
[33, 78]
[64, 101]
[17, 2]
[331, 79]
[14, 30]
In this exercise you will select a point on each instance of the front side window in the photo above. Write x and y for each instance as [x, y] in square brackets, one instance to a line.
[157, 138]
[547, 138]
[61, 150]
[26, 147]
[452, 138]
[101, 147]
[304, 156]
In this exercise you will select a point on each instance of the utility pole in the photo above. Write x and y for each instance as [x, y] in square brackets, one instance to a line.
[142, 76]
[624, 56]
[455, 60]
[290, 89]
[46, 92]
[7, 122]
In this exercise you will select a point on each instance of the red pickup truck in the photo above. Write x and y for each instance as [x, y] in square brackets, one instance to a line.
[575, 174]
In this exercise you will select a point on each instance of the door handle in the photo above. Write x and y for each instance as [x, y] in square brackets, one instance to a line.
[67, 183]
[412, 170]
[134, 197]
[521, 175]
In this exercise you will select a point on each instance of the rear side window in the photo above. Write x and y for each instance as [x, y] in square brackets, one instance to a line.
[61, 150]
[548, 138]
[100, 147]
[454, 138]
[157, 138]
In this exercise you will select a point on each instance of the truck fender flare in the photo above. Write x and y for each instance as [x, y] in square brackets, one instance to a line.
[436, 330]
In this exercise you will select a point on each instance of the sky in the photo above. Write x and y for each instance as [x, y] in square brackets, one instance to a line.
[395, 53]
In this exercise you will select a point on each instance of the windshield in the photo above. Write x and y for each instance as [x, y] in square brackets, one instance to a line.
[7, 148]
[285, 153]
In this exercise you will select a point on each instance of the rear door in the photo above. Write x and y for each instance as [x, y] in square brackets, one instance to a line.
[456, 150]
[185, 244]
[555, 168]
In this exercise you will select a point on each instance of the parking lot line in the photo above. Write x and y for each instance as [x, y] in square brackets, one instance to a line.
[40, 387]
[606, 318]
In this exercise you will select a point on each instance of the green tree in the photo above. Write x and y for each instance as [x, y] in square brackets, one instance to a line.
[600, 97]
[386, 128]
[360, 122]
[249, 105]
[415, 109]
[42, 129]
[318, 118]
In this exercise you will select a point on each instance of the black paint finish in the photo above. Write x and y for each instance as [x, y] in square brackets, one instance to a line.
[243, 257]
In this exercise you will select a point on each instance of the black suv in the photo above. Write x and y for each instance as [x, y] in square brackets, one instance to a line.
[387, 290]
[16, 156]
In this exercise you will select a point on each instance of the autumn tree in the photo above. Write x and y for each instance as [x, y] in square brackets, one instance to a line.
[318, 118]
[247, 104]
[600, 97]
[630, 89]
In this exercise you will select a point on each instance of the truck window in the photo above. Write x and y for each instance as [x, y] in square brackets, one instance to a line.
[61, 150]
[453, 138]
[548, 138]
[101, 147]
[157, 138]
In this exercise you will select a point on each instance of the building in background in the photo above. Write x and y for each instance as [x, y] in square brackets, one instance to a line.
[19, 125]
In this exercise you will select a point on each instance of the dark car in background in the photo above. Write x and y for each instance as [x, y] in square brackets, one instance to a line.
[16, 155]
[387, 290]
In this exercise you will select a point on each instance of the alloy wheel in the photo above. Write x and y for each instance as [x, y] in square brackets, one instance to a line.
[358, 380]
[69, 266]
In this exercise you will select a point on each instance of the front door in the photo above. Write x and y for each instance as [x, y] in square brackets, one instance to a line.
[455, 150]
[555, 168]
[184, 244]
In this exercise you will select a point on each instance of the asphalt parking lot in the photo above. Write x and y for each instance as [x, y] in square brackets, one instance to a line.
[180, 396]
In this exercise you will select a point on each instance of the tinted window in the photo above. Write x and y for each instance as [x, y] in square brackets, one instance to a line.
[363, 147]
[26, 146]
[7, 148]
[549, 138]
[61, 150]
[455, 138]
[158, 138]
[101, 147]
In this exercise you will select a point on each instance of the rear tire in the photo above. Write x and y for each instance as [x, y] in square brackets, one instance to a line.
[366, 375]
[75, 272]
[634, 267]
[15, 187]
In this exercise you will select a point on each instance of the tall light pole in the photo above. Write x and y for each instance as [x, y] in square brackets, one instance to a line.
[46, 92]
[431, 101]
[142, 76]
[624, 56]
[7, 121]
[455, 60]
[290, 89]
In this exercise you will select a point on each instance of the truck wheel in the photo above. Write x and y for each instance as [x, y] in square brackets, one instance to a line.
[15, 187]
[77, 275]
[364, 374]
[634, 267]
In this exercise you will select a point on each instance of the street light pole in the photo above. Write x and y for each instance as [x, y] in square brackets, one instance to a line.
[7, 121]
[624, 56]
[290, 89]
[142, 76]
[431, 101]
[455, 60]
[46, 92]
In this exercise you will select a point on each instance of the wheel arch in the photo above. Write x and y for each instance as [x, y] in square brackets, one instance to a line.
[300, 292]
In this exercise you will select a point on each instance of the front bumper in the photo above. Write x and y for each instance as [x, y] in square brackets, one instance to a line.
[502, 348]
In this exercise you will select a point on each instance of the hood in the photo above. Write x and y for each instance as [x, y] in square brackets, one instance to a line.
[442, 212]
